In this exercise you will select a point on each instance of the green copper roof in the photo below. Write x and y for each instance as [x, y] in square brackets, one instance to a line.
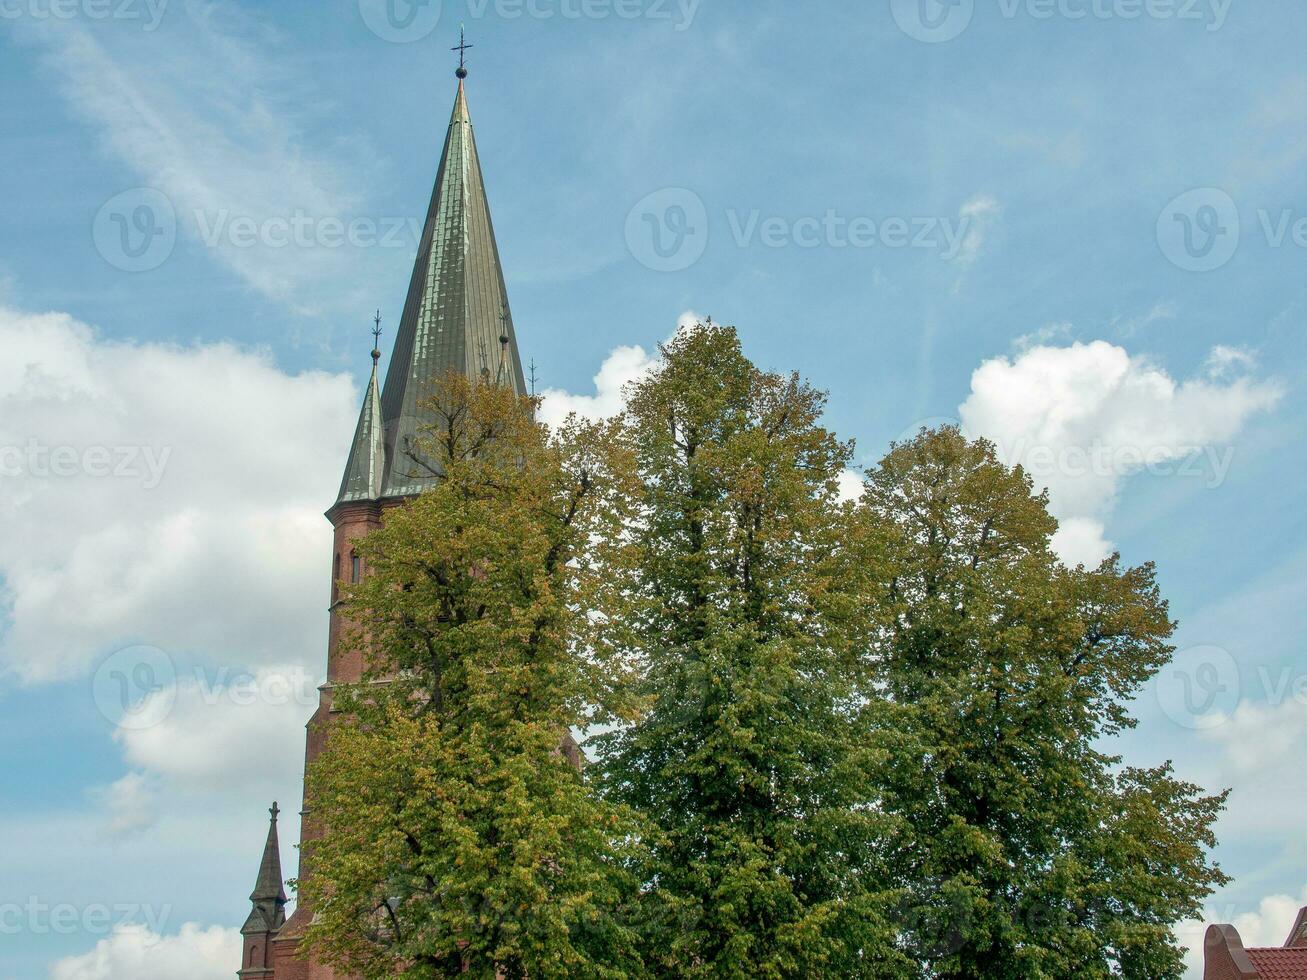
[456, 316]
[367, 454]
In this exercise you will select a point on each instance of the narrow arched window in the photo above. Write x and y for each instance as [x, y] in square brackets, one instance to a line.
[355, 569]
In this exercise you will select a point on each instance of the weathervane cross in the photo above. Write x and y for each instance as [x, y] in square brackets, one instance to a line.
[462, 50]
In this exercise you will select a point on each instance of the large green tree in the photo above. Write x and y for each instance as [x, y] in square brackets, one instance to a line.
[457, 835]
[767, 858]
[996, 677]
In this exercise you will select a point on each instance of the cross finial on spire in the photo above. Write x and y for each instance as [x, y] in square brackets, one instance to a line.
[462, 50]
[376, 337]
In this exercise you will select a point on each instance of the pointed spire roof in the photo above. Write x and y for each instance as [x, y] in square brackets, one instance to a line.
[456, 316]
[367, 454]
[269, 895]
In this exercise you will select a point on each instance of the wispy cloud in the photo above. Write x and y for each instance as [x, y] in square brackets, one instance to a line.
[210, 112]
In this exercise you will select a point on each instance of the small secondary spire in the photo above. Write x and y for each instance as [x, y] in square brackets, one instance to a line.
[462, 50]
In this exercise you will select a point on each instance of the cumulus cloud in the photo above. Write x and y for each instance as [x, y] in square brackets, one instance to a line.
[621, 367]
[850, 485]
[1084, 418]
[136, 953]
[1246, 749]
[216, 725]
[161, 494]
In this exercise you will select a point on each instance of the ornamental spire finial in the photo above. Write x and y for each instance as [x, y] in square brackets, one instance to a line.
[376, 338]
[462, 50]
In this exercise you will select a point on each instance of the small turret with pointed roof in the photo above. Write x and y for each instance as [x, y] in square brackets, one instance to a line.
[367, 453]
[268, 914]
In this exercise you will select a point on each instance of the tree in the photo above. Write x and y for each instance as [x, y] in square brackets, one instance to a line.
[458, 835]
[995, 677]
[766, 857]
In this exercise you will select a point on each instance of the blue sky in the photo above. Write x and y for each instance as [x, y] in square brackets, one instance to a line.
[935, 211]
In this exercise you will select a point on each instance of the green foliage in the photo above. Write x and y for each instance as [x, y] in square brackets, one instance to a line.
[456, 836]
[767, 859]
[1032, 853]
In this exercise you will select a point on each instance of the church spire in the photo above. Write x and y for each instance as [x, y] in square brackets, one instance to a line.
[456, 315]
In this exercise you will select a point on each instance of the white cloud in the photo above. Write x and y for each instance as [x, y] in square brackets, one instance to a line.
[1246, 750]
[1081, 541]
[1128, 326]
[1083, 418]
[1045, 335]
[129, 803]
[163, 495]
[218, 725]
[622, 366]
[1223, 361]
[851, 485]
[979, 215]
[136, 953]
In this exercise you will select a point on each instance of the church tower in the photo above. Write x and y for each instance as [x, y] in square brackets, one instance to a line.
[456, 318]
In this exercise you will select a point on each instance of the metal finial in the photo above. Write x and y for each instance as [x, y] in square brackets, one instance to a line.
[274, 811]
[462, 50]
[376, 337]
